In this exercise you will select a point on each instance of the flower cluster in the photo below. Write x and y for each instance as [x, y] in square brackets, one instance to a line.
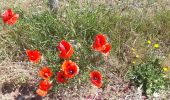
[156, 45]
[69, 69]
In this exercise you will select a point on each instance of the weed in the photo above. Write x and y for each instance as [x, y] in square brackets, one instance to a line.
[150, 75]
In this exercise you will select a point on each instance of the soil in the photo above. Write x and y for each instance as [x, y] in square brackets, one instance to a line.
[24, 91]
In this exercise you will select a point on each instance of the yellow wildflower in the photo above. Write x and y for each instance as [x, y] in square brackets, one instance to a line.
[133, 62]
[156, 45]
[165, 68]
[137, 56]
[133, 49]
[149, 42]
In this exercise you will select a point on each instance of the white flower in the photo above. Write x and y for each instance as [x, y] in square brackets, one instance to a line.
[155, 94]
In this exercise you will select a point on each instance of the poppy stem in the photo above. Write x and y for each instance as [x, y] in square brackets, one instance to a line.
[4, 28]
[52, 80]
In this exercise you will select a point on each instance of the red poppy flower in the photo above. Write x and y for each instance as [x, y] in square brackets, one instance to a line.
[60, 77]
[96, 78]
[9, 17]
[101, 45]
[43, 87]
[33, 55]
[66, 49]
[70, 68]
[46, 73]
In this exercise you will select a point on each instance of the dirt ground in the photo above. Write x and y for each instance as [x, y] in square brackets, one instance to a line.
[15, 77]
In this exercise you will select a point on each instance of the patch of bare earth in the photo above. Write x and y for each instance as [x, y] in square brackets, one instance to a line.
[17, 78]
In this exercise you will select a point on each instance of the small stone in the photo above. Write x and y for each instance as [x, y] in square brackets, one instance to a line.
[20, 97]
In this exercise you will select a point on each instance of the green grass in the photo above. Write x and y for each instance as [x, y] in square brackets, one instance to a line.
[124, 28]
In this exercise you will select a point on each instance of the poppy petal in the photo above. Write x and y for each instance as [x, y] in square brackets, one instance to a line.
[66, 45]
[61, 47]
[106, 49]
[41, 92]
[12, 20]
[100, 40]
[60, 77]
[46, 73]
[70, 52]
[45, 85]
[7, 15]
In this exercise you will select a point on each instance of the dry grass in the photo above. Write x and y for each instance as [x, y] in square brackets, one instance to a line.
[26, 5]
[18, 72]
